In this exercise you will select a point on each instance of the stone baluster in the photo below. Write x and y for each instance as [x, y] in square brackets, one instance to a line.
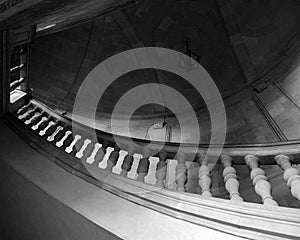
[204, 176]
[31, 114]
[96, 148]
[36, 126]
[49, 125]
[78, 146]
[260, 181]
[24, 113]
[69, 149]
[28, 114]
[42, 124]
[60, 142]
[56, 129]
[143, 167]
[291, 175]
[81, 150]
[100, 154]
[113, 159]
[68, 141]
[88, 150]
[161, 170]
[36, 120]
[52, 130]
[61, 134]
[230, 179]
[127, 163]
[24, 109]
[30, 120]
[181, 172]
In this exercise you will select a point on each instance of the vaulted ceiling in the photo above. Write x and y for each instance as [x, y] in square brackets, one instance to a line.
[239, 42]
[235, 53]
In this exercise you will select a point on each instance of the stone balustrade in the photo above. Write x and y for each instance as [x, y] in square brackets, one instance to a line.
[107, 154]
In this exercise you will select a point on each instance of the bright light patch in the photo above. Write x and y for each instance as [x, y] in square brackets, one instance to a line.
[42, 28]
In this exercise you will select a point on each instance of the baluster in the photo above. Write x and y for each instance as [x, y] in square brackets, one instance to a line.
[113, 159]
[36, 126]
[61, 141]
[230, 179]
[36, 120]
[69, 149]
[100, 154]
[68, 142]
[81, 150]
[78, 146]
[259, 179]
[51, 130]
[28, 114]
[60, 134]
[36, 115]
[47, 126]
[42, 124]
[143, 167]
[204, 176]
[96, 148]
[24, 109]
[127, 163]
[88, 151]
[291, 175]
[55, 130]
[161, 170]
[181, 173]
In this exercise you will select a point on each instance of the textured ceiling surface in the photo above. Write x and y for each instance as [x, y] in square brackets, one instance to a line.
[68, 56]
[231, 37]
[265, 29]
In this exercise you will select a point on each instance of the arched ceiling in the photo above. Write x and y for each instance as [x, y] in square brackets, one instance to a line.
[238, 43]
[168, 24]
[264, 27]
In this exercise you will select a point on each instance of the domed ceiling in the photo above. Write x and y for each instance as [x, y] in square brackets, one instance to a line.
[237, 42]
[169, 24]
